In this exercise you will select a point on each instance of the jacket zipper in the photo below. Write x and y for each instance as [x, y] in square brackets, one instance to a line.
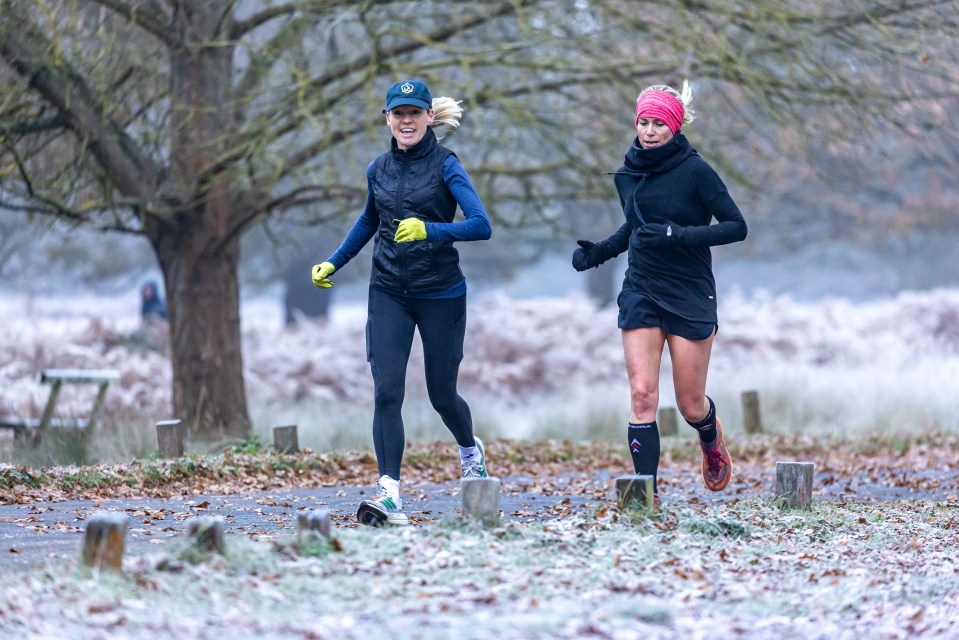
[398, 211]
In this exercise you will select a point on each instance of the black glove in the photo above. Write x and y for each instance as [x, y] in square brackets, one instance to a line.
[661, 235]
[589, 255]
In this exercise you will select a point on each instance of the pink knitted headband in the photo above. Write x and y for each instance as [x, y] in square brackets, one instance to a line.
[661, 105]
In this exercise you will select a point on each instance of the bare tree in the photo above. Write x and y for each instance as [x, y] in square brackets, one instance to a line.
[189, 121]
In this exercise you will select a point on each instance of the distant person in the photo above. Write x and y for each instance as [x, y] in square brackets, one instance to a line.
[416, 282]
[300, 297]
[152, 308]
[669, 196]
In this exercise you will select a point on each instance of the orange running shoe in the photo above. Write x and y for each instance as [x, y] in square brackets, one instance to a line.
[717, 465]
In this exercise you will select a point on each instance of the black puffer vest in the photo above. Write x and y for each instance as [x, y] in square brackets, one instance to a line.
[410, 184]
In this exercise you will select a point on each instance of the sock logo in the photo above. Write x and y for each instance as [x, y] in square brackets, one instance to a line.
[634, 445]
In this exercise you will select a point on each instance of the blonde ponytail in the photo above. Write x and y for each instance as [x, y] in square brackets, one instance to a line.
[686, 97]
[446, 112]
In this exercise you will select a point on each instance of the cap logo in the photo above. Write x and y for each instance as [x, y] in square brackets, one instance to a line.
[406, 88]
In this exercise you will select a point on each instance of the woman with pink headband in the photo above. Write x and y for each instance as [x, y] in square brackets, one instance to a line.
[670, 196]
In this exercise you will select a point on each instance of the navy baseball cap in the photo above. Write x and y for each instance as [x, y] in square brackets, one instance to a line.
[408, 92]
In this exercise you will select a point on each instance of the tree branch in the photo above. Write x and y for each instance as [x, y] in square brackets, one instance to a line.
[257, 20]
[146, 14]
[374, 58]
[261, 64]
[261, 136]
[57, 121]
[61, 85]
[243, 27]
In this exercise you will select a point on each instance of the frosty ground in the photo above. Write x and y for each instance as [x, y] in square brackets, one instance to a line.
[865, 391]
[875, 556]
[743, 571]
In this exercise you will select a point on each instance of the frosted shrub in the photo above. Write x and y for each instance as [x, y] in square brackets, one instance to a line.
[533, 368]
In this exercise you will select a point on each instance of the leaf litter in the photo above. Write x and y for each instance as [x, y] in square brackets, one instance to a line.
[851, 567]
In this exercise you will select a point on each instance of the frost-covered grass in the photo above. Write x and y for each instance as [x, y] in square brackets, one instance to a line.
[741, 570]
[549, 367]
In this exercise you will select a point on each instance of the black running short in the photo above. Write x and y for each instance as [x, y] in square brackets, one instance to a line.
[639, 311]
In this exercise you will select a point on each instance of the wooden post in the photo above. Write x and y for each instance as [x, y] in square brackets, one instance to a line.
[104, 539]
[285, 439]
[634, 488]
[206, 534]
[668, 421]
[794, 484]
[170, 438]
[313, 527]
[752, 423]
[480, 499]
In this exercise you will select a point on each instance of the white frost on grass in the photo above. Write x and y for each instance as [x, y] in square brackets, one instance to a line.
[533, 368]
[740, 571]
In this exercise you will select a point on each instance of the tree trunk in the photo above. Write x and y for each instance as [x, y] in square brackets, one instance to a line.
[203, 302]
[198, 246]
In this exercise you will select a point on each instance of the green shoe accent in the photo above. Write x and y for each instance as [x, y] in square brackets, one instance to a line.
[476, 468]
[381, 510]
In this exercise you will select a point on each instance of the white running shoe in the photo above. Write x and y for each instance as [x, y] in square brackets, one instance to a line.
[476, 468]
[382, 509]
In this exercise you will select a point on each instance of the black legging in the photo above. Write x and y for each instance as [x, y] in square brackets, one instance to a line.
[389, 338]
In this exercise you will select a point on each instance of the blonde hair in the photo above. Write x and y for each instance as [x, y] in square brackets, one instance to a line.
[446, 112]
[685, 97]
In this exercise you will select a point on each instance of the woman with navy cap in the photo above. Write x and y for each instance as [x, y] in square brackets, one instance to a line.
[416, 282]
[670, 196]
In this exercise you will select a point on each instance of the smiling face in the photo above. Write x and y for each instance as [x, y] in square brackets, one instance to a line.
[652, 132]
[408, 124]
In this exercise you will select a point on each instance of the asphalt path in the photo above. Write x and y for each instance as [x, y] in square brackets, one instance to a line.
[36, 535]
[39, 535]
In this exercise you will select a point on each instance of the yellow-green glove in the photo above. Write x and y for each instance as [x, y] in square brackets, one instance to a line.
[409, 230]
[321, 273]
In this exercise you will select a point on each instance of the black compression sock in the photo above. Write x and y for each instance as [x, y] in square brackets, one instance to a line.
[643, 442]
[707, 426]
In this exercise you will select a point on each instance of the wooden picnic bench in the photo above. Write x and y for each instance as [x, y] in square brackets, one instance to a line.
[56, 378]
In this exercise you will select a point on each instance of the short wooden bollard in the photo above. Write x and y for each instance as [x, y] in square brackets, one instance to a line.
[285, 439]
[313, 527]
[668, 421]
[104, 539]
[794, 484]
[635, 488]
[480, 499]
[206, 534]
[170, 438]
[752, 422]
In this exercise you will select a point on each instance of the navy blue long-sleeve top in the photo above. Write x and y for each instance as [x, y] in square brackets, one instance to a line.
[475, 226]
